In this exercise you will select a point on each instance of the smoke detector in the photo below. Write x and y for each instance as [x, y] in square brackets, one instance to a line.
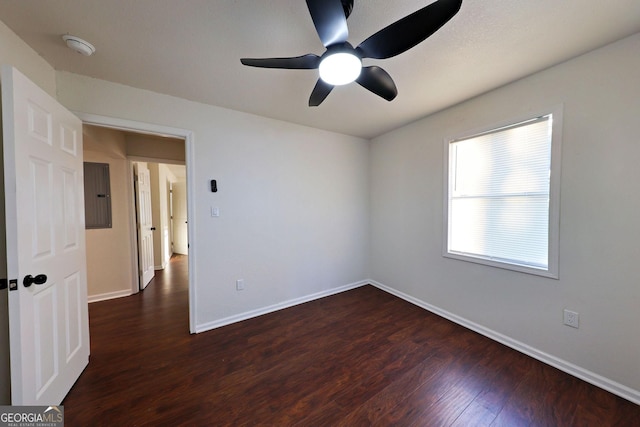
[79, 45]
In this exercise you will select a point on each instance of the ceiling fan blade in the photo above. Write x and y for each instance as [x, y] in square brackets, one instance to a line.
[330, 21]
[320, 92]
[404, 34]
[378, 81]
[304, 62]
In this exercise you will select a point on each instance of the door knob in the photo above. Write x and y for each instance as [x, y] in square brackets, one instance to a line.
[38, 280]
[153, 229]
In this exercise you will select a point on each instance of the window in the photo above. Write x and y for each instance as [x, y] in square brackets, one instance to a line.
[502, 206]
[97, 195]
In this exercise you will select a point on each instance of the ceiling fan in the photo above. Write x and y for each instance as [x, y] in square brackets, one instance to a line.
[341, 63]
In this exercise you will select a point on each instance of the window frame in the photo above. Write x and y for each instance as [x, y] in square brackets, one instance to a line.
[552, 270]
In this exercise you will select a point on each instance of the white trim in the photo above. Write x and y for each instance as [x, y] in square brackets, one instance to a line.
[133, 226]
[147, 159]
[131, 125]
[189, 141]
[109, 295]
[552, 270]
[571, 369]
[276, 307]
[190, 162]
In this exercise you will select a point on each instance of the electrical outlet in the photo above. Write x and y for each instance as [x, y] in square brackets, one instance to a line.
[571, 318]
[240, 285]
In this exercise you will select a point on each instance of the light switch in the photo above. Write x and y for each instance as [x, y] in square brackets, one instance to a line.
[215, 211]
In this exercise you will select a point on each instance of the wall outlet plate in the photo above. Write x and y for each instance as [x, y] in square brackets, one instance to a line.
[571, 318]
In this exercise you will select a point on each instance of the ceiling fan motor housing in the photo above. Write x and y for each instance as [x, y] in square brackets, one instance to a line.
[342, 63]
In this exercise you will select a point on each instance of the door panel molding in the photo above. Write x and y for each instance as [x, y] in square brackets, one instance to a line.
[40, 210]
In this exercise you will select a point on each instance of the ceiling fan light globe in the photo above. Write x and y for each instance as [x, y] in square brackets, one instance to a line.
[340, 68]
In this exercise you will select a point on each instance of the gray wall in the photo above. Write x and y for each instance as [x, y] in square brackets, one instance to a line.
[293, 200]
[599, 228]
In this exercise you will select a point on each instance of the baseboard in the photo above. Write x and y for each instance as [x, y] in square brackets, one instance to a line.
[584, 374]
[275, 307]
[109, 295]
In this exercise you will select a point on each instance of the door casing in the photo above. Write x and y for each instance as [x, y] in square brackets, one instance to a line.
[187, 135]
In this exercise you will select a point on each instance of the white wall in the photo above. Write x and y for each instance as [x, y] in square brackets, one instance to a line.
[599, 230]
[293, 200]
[14, 51]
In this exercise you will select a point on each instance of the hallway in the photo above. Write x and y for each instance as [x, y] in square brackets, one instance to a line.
[128, 363]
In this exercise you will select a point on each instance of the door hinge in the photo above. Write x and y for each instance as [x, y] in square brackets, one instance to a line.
[3, 284]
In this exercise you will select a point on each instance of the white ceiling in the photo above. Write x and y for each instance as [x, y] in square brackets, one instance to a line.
[192, 49]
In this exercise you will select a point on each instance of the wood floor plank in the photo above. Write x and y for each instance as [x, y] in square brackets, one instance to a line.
[510, 368]
[596, 407]
[422, 404]
[370, 412]
[359, 358]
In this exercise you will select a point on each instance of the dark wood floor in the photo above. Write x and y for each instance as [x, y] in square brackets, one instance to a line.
[359, 358]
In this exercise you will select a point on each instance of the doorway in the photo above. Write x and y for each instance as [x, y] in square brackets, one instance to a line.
[155, 146]
[161, 216]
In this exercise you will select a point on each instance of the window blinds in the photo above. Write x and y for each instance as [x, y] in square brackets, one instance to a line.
[499, 194]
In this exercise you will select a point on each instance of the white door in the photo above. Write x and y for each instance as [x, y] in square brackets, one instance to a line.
[44, 200]
[180, 230]
[145, 224]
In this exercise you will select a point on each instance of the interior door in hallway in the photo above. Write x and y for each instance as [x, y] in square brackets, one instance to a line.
[179, 210]
[46, 255]
[144, 221]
